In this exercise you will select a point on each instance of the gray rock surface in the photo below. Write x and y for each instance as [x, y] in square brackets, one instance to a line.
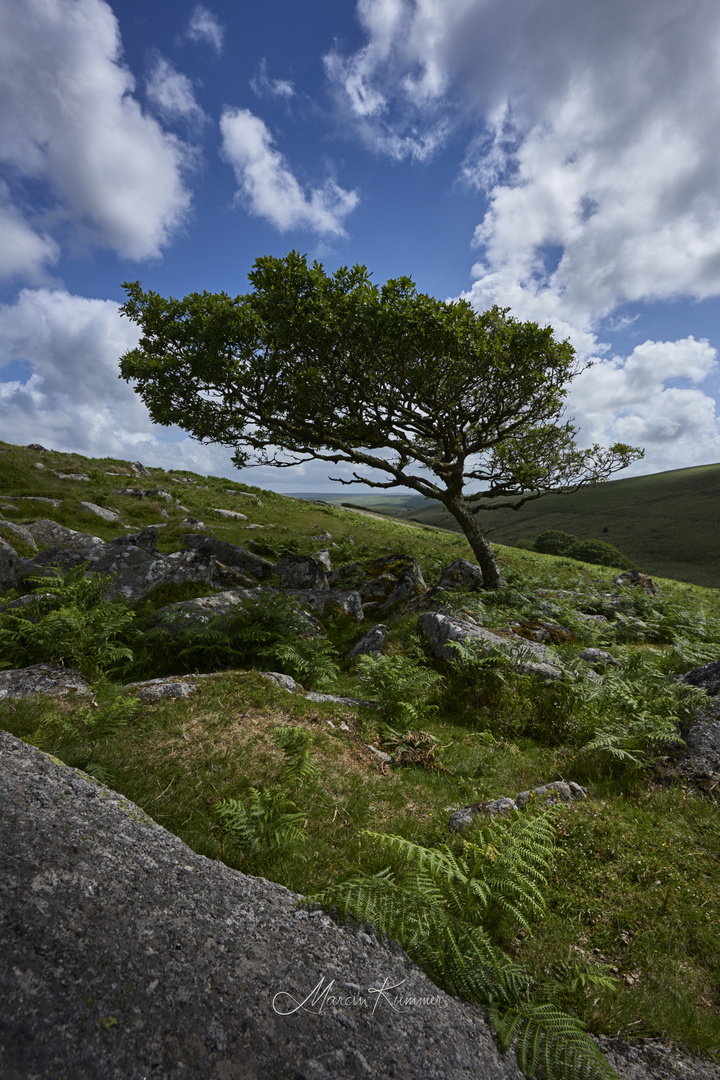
[127, 956]
[52, 680]
[230, 514]
[9, 568]
[231, 555]
[301, 572]
[100, 511]
[461, 574]
[22, 533]
[134, 571]
[707, 677]
[370, 643]
[555, 791]
[50, 533]
[529, 657]
[342, 603]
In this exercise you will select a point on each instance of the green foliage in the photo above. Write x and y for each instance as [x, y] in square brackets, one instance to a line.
[449, 909]
[337, 368]
[402, 688]
[71, 621]
[555, 542]
[266, 829]
[295, 745]
[91, 724]
[272, 631]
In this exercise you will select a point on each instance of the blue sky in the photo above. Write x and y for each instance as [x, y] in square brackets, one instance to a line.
[558, 158]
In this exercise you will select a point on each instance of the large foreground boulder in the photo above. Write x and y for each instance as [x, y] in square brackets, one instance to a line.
[443, 632]
[123, 954]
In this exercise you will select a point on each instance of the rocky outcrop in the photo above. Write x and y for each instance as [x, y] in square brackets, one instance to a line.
[51, 680]
[443, 631]
[463, 575]
[371, 643]
[230, 555]
[548, 794]
[301, 572]
[51, 534]
[124, 954]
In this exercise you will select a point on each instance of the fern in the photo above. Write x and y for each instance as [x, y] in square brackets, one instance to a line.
[294, 742]
[266, 829]
[448, 908]
[402, 688]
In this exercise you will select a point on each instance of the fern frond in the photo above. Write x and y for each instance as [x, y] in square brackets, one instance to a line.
[549, 1040]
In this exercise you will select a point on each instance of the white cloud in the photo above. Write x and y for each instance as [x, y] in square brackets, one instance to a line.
[269, 188]
[203, 26]
[264, 86]
[590, 129]
[23, 250]
[69, 124]
[172, 93]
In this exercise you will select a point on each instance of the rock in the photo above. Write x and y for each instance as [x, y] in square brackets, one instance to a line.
[348, 604]
[139, 469]
[396, 565]
[205, 608]
[136, 571]
[556, 791]
[703, 743]
[38, 498]
[230, 514]
[637, 579]
[461, 574]
[230, 555]
[529, 657]
[378, 589]
[161, 493]
[408, 587]
[49, 532]
[301, 572]
[322, 536]
[355, 703]
[62, 475]
[39, 465]
[22, 533]
[9, 568]
[243, 495]
[599, 656]
[707, 677]
[51, 680]
[285, 682]
[54, 558]
[127, 955]
[350, 576]
[380, 754]
[100, 511]
[132, 493]
[191, 523]
[323, 557]
[371, 643]
[37, 446]
[147, 539]
[162, 689]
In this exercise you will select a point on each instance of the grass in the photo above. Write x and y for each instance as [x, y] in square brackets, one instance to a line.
[667, 522]
[636, 878]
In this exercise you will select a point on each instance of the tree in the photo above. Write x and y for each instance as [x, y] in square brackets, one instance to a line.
[430, 393]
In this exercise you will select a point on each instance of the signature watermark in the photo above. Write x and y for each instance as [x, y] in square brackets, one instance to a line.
[326, 995]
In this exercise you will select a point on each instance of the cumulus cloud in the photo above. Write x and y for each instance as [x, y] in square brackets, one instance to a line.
[73, 399]
[171, 93]
[70, 127]
[23, 250]
[589, 130]
[264, 86]
[268, 186]
[203, 26]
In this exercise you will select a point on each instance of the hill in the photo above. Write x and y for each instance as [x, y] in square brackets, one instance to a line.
[667, 522]
[349, 764]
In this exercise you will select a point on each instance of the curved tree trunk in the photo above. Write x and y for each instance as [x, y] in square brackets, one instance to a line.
[477, 541]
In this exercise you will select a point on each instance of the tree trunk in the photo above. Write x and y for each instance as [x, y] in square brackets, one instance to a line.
[477, 541]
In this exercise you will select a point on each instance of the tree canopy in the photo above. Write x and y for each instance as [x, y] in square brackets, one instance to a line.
[460, 406]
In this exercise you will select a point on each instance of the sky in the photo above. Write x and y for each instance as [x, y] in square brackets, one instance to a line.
[558, 158]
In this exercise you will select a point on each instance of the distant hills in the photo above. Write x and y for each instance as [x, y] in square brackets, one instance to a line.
[668, 523]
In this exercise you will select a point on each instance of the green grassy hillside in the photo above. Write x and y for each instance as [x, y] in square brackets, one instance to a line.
[626, 937]
[668, 523]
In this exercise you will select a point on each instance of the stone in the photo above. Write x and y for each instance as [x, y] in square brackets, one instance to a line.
[378, 589]
[125, 954]
[162, 689]
[707, 677]
[285, 682]
[205, 608]
[147, 539]
[441, 631]
[54, 558]
[191, 523]
[243, 495]
[139, 469]
[100, 511]
[37, 446]
[599, 656]
[131, 493]
[134, 571]
[231, 555]
[371, 643]
[637, 579]
[323, 557]
[51, 680]
[350, 576]
[160, 493]
[355, 703]
[9, 568]
[62, 475]
[555, 791]
[461, 574]
[348, 604]
[408, 587]
[301, 572]
[22, 533]
[397, 565]
[50, 533]
[230, 514]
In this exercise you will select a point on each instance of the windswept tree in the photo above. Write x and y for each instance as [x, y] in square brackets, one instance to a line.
[459, 406]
